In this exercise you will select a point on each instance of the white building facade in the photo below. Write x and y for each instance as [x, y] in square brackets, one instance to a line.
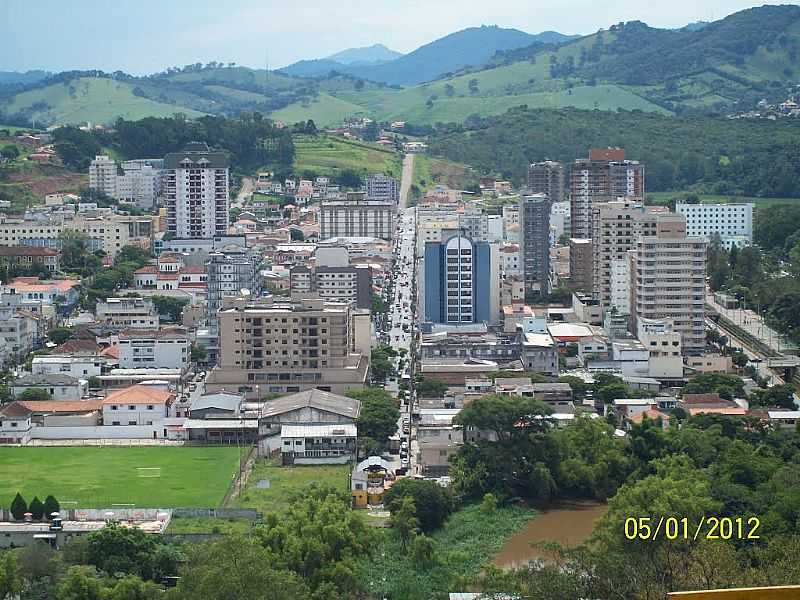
[732, 222]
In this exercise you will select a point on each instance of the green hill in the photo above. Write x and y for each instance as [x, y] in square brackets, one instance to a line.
[701, 154]
[324, 110]
[87, 99]
[71, 98]
[725, 66]
[330, 155]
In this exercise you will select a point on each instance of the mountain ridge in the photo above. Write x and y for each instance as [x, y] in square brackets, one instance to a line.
[376, 53]
[725, 66]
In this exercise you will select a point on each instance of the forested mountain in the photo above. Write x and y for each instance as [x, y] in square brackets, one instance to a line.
[377, 53]
[469, 47]
[22, 77]
[720, 156]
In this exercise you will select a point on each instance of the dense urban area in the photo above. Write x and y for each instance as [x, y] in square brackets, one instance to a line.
[364, 332]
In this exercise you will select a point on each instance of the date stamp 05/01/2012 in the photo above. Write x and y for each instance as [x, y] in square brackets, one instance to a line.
[683, 528]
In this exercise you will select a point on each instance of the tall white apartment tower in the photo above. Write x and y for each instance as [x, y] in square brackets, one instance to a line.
[103, 175]
[196, 187]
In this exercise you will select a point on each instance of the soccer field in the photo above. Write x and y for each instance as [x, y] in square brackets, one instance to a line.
[153, 477]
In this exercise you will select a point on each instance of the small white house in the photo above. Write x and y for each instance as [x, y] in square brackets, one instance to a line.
[59, 386]
[79, 367]
[318, 444]
[138, 405]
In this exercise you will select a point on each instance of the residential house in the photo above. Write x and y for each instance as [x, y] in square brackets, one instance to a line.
[59, 386]
[78, 367]
[318, 444]
[28, 256]
[139, 405]
[154, 348]
[138, 313]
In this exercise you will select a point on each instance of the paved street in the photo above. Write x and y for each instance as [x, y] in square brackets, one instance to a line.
[400, 324]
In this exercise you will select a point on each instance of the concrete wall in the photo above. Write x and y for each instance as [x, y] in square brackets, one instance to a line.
[99, 432]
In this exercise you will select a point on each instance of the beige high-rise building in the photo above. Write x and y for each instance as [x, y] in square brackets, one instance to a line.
[103, 175]
[617, 226]
[268, 346]
[668, 271]
[356, 217]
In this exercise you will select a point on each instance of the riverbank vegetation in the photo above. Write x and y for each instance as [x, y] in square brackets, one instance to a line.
[701, 466]
[449, 559]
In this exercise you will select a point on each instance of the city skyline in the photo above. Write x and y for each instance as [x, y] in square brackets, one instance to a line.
[255, 34]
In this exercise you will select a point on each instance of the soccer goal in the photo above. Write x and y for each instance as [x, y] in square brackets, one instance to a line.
[148, 472]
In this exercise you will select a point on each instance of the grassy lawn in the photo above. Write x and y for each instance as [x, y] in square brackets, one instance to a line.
[99, 477]
[197, 525]
[464, 546]
[328, 155]
[285, 482]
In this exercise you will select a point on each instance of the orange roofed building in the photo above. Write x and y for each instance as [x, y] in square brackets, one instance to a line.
[143, 405]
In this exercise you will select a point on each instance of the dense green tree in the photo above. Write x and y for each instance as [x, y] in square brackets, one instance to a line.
[35, 393]
[430, 388]
[18, 507]
[117, 549]
[349, 178]
[10, 579]
[506, 416]
[51, 505]
[80, 583]
[432, 502]
[169, 308]
[777, 395]
[381, 362]
[319, 538]
[59, 335]
[36, 508]
[758, 156]
[199, 353]
[237, 568]
[727, 386]
[379, 414]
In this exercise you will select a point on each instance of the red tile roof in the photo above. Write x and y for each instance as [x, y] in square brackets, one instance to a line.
[112, 351]
[193, 269]
[147, 269]
[63, 406]
[27, 251]
[139, 394]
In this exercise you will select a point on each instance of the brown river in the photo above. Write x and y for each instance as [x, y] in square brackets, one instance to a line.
[569, 524]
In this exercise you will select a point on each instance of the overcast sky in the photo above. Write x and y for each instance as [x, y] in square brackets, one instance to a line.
[144, 36]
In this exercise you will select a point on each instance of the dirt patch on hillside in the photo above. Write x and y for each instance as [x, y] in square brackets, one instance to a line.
[47, 179]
